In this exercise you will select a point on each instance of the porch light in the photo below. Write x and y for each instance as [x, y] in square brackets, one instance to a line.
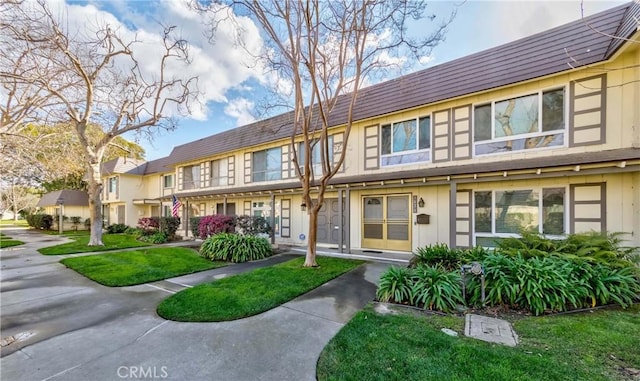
[303, 207]
[421, 203]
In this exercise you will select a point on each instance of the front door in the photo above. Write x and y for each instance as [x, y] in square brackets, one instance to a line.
[386, 222]
[329, 222]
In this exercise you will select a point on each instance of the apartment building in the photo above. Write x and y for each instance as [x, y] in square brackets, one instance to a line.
[541, 133]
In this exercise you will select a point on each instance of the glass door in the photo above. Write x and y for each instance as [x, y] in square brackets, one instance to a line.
[386, 222]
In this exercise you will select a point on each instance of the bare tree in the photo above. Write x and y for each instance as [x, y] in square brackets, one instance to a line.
[16, 197]
[53, 74]
[328, 50]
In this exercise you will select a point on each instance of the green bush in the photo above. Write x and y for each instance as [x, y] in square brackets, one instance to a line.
[40, 221]
[117, 228]
[87, 223]
[235, 248]
[437, 255]
[194, 226]
[395, 285]
[434, 288]
[252, 225]
[155, 237]
[169, 225]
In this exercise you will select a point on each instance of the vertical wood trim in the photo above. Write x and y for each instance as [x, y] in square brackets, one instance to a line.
[202, 175]
[285, 218]
[440, 119]
[341, 220]
[338, 147]
[247, 167]
[461, 133]
[179, 178]
[600, 203]
[247, 208]
[372, 147]
[206, 175]
[464, 220]
[117, 187]
[231, 170]
[575, 131]
[347, 221]
[273, 218]
[285, 161]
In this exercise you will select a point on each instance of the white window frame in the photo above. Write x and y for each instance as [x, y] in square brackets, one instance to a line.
[266, 171]
[196, 182]
[223, 175]
[113, 184]
[408, 152]
[539, 93]
[164, 181]
[539, 189]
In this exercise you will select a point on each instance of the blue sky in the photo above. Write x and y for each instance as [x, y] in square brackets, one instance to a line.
[231, 85]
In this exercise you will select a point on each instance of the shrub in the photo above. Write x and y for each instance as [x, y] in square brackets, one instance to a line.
[76, 220]
[149, 223]
[40, 221]
[437, 255]
[156, 237]
[137, 232]
[168, 225]
[87, 223]
[395, 285]
[218, 223]
[194, 226]
[117, 228]
[235, 248]
[252, 225]
[434, 288]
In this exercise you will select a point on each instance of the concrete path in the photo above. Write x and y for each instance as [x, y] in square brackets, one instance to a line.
[490, 329]
[75, 329]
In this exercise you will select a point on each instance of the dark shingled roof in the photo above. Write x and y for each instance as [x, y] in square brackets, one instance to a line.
[70, 197]
[571, 45]
[158, 166]
[123, 165]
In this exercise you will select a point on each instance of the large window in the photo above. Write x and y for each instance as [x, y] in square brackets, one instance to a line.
[504, 213]
[267, 165]
[219, 172]
[406, 142]
[316, 151]
[531, 121]
[191, 177]
[167, 181]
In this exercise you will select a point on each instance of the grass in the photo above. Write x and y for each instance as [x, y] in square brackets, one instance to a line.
[251, 293]
[140, 266]
[4, 243]
[79, 245]
[22, 223]
[585, 346]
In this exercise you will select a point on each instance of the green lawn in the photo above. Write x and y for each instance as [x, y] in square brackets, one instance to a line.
[587, 346]
[140, 266]
[22, 223]
[251, 293]
[79, 245]
[6, 242]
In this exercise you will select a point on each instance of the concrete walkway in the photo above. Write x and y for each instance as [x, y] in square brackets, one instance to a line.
[75, 329]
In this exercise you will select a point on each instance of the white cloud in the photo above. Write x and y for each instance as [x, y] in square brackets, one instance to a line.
[241, 109]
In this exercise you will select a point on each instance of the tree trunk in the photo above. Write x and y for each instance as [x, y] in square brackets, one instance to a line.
[95, 205]
[310, 259]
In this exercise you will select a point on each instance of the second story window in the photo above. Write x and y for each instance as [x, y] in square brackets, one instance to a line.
[191, 177]
[527, 122]
[267, 165]
[316, 149]
[406, 142]
[113, 184]
[167, 181]
[219, 172]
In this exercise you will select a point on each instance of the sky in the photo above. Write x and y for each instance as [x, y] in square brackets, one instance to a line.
[231, 84]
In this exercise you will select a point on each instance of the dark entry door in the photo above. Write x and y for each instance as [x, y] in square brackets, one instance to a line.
[329, 222]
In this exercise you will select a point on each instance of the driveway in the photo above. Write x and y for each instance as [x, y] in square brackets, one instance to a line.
[67, 327]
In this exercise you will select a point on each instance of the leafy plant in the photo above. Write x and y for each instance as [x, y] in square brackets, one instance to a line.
[395, 285]
[235, 248]
[168, 225]
[252, 225]
[194, 226]
[87, 223]
[156, 238]
[438, 254]
[435, 289]
[76, 220]
[117, 228]
[40, 221]
[218, 223]
[148, 223]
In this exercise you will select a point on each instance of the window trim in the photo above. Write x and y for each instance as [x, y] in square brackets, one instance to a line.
[164, 181]
[540, 189]
[196, 183]
[408, 152]
[539, 93]
[216, 181]
[113, 180]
